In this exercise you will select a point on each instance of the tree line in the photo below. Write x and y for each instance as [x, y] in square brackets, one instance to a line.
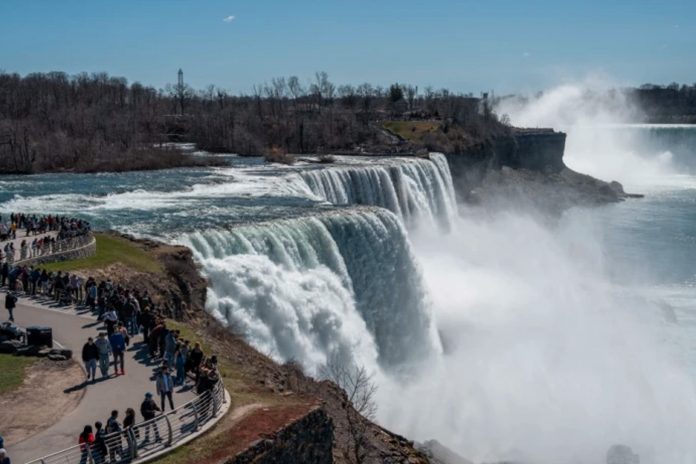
[92, 122]
[671, 103]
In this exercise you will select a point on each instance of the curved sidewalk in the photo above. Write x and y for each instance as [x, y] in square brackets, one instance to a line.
[71, 328]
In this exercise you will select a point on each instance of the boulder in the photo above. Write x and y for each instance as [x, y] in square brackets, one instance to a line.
[57, 357]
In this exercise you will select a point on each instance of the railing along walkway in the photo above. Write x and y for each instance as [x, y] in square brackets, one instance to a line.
[28, 253]
[149, 439]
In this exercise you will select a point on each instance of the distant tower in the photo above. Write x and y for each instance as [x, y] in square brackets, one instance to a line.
[181, 90]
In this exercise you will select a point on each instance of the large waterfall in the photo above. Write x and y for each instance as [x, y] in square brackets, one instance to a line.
[335, 284]
[415, 189]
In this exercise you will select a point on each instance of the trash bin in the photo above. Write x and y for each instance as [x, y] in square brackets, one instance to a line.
[40, 336]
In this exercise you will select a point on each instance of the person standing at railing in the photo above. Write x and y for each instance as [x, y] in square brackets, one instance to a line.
[129, 420]
[86, 440]
[113, 426]
[99, 449]
[148, 409]
[165, 387]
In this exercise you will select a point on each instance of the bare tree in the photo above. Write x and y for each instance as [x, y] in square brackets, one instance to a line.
[295, 87]
[360, 408]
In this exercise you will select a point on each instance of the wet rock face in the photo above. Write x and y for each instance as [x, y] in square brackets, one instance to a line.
[527, 169]
[622, 454]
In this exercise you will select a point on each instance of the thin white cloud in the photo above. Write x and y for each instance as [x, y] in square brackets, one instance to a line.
[228, 19]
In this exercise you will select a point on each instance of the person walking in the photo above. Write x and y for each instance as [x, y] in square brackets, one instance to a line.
[110, 319]
[104, 347]
[4, 458]
[118, 348]
[165, 387]
[90, 355]
[148, 409]
[85, 441]
[10, 304]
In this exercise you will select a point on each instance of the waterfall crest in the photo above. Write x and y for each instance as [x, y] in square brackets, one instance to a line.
[414, 189]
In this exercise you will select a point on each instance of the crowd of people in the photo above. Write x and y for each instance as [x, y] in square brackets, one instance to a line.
[126, 313]
[37, 226]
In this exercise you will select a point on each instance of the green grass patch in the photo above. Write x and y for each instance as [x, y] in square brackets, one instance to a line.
[110, 250]
[13, 369]
[413, 131]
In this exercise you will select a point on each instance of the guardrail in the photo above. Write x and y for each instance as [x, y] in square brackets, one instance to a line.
[50, 249]
[150, 438]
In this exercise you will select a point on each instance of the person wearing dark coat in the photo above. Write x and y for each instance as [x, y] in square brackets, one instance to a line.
[90, 356]
[10, 304]
[149, 409]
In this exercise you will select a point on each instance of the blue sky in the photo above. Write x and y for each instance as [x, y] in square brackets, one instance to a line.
[507, 46]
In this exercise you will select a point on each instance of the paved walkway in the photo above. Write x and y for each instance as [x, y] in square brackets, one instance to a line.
[18, 241]
[71, 328]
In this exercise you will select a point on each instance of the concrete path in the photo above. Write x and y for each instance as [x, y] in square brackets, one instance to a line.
[71, 328]
[18, 241]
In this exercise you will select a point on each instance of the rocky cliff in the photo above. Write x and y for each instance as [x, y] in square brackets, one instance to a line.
[526, 167]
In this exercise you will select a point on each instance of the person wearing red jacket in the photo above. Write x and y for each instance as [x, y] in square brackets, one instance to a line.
[86, 440]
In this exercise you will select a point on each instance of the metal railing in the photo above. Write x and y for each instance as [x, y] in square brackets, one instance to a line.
[146, 438]
[55, 248]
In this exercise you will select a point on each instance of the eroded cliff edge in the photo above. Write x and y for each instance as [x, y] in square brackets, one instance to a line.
[526, 167]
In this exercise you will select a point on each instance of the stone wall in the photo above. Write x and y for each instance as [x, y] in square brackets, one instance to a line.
[307, 440]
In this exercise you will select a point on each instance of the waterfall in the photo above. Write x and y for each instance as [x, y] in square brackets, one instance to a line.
[414, 189]
[336, 284]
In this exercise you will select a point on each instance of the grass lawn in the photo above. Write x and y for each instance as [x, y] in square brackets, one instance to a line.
[110, 250]
[413, 131]
[13, 368]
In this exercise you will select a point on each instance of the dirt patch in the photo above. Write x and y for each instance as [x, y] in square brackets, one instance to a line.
[25, 411]
[258, 423]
